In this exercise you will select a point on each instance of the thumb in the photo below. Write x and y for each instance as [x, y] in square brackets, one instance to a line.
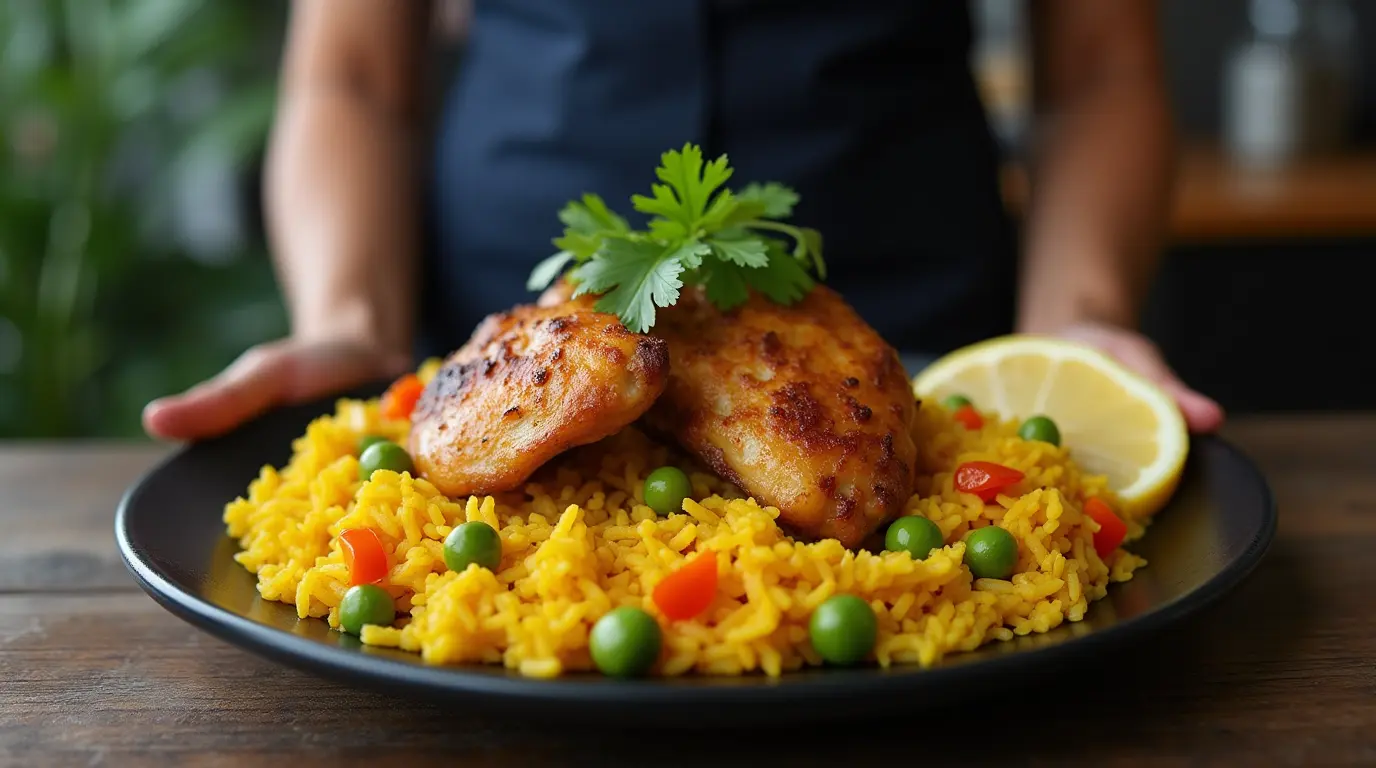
[1202, 414]
[250, 385]
[287, 371]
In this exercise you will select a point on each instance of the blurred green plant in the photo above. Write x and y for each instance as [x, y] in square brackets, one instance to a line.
[130, 264]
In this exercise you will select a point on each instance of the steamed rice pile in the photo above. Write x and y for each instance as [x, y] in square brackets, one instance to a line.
[579, 541]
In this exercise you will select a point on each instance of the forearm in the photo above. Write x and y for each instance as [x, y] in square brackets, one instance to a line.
[1100, 190]
[342, 213]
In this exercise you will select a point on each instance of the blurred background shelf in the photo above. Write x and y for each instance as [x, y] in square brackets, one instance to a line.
[1220, 200]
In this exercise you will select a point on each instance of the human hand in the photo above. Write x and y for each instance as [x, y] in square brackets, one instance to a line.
[1139, 354]
[277, 373]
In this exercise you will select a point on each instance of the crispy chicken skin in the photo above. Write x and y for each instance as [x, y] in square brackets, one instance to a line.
[531, 383]
[805, 408]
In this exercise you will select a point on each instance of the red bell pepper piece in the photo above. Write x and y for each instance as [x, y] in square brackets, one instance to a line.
[400, 398]
[1112, 529]
[985, 479]
[687, 592]
[967, 415]
[364, 555]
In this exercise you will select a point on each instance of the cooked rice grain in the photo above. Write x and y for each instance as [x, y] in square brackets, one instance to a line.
[579, 541]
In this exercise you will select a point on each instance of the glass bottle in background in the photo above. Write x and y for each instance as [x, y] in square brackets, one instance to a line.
[1288, 88]
[1263, 87]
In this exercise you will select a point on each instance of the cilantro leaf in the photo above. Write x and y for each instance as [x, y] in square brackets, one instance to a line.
[691, 180]
[548, 269]
[581, 246]
[665, 205]
[690, 254]
[634, 277]
[699, 232]
[726, 286]
[783, 279]
[776, 201]
[586, 225]
[724, 211]
[688, 186]
[813, 240]
[591, 216]
[807, 242]
[619, 259]
[743, 250]
[667, 231]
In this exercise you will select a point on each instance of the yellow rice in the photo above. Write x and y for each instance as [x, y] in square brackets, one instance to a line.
[579, 541]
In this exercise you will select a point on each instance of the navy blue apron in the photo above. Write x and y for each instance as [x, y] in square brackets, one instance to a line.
[866, 107]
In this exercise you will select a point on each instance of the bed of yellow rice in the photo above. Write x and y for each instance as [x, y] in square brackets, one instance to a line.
[579, 541]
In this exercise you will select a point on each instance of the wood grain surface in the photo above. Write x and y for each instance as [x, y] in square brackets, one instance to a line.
[1282, 672]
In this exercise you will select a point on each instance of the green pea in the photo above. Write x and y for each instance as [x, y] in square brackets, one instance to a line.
[991, 552]
[384, 454]
[473, 542]
[625, 642]
[843, 629]
[913, 534]
[1040, 428]
[665, 490]
[368, 441]
[953, 402]
[366, 604]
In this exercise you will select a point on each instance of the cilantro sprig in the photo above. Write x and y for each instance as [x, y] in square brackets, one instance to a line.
[699, 233]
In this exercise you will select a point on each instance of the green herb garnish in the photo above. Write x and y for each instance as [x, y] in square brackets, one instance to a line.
[699, 233]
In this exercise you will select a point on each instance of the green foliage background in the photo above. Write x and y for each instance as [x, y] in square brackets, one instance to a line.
[131, 263]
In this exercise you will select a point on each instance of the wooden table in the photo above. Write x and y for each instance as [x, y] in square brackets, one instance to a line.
[93, 672]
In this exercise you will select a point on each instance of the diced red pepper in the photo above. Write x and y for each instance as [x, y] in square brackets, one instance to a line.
[985, 479]
[967, 415]
[364, 555]
[689, 591]
[400, 398]
[1112, 529]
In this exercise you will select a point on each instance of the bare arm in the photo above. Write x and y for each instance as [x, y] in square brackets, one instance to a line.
[342, 217]
[1102, 163]
[341, 175]
[1101, 178]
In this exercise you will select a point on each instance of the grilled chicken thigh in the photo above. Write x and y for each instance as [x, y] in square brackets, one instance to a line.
[530, 384]
[803, 407]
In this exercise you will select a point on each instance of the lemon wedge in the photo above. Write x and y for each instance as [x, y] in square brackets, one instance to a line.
[1114, 422]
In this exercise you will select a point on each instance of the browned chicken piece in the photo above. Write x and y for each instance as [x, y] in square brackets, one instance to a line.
[530, 384]
[805, 408]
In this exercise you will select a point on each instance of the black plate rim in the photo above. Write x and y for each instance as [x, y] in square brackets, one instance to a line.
[379, 672]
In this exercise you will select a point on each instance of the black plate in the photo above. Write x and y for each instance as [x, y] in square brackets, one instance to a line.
[169, 530]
